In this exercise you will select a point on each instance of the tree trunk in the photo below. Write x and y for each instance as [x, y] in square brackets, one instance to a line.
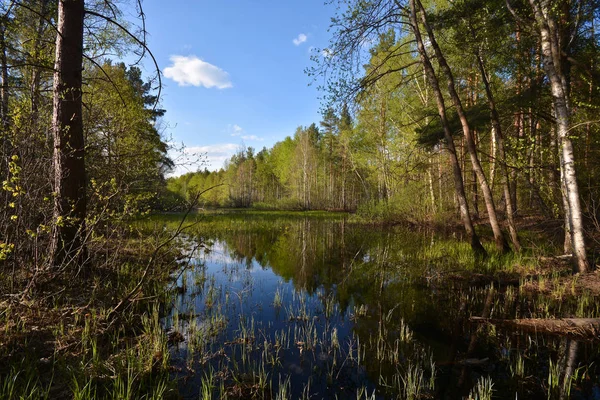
[475, 195]
[68, 234]
[499, 141]
[499, 238]
[431, 192]
[493, 155]
[37, 69]
[344, 167]
[567, 244]
[5, 142]
[518, 123]
[459, 187]
[382, 151]
[570, 364]
[5, 87]
[552, 55]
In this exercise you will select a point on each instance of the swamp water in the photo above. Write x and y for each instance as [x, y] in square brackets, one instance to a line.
[310, 306]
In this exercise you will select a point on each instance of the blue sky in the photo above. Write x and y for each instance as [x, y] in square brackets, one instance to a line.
[233, 71]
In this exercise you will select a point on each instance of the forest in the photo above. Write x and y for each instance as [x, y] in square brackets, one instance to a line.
[465, 131]
[470, 126]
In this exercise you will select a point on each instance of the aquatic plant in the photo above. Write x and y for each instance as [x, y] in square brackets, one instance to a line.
[483, 390]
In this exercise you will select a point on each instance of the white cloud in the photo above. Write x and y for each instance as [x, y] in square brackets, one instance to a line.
[252, 137]
[192, 71]
[300, 39]
[237, 130]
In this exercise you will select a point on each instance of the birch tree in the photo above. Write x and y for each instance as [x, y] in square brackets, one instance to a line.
[547, 24]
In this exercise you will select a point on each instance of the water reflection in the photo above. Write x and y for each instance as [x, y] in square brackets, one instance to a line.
[318, 308]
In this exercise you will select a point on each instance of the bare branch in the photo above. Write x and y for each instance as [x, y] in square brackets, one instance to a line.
[142, 44]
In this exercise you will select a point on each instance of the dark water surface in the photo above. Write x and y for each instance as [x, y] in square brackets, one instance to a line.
[311, 306]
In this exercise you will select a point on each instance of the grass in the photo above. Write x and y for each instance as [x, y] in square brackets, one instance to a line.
[444, 254]
[247, 361]
[412, 382]
[517, 369]
[283, 393]
[22, 382]
[63, 340]
[554, 373]
[483, 390]
[348, 315]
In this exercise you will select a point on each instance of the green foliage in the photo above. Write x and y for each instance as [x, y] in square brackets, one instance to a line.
[407, 204]
[125, 162]
[125, 146]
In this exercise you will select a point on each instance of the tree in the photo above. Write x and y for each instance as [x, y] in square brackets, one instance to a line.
[124, 148]
[69, 231]
[345, 132]
[501, 243]
[498, 141]
[329, 128]
[547, 16]
[458, 181]
[306, 161]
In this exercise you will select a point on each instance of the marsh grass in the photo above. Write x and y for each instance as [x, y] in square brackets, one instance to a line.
[517, 367]
[283, 393]
[247, 361]
[62, 339]
[329, 335]
[554, 374]
[22, 382]
[483, 390]
[450, 254]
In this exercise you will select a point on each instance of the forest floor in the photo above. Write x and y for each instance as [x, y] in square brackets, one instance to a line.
[66, 337]
[560, 267]
[541, 267]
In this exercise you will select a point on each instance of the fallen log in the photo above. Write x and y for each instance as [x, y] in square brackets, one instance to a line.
[579, 327]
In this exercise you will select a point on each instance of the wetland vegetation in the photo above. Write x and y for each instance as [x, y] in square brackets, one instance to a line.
[303, 305]
[435, 235]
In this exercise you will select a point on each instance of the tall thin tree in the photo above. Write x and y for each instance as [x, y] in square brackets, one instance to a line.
[500, 240]
[68, 234]
[458, 180]
[552, 55]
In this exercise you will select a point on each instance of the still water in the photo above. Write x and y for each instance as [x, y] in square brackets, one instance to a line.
[311, 306]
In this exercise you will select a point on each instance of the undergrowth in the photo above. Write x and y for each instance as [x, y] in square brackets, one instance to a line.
[66, 337]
